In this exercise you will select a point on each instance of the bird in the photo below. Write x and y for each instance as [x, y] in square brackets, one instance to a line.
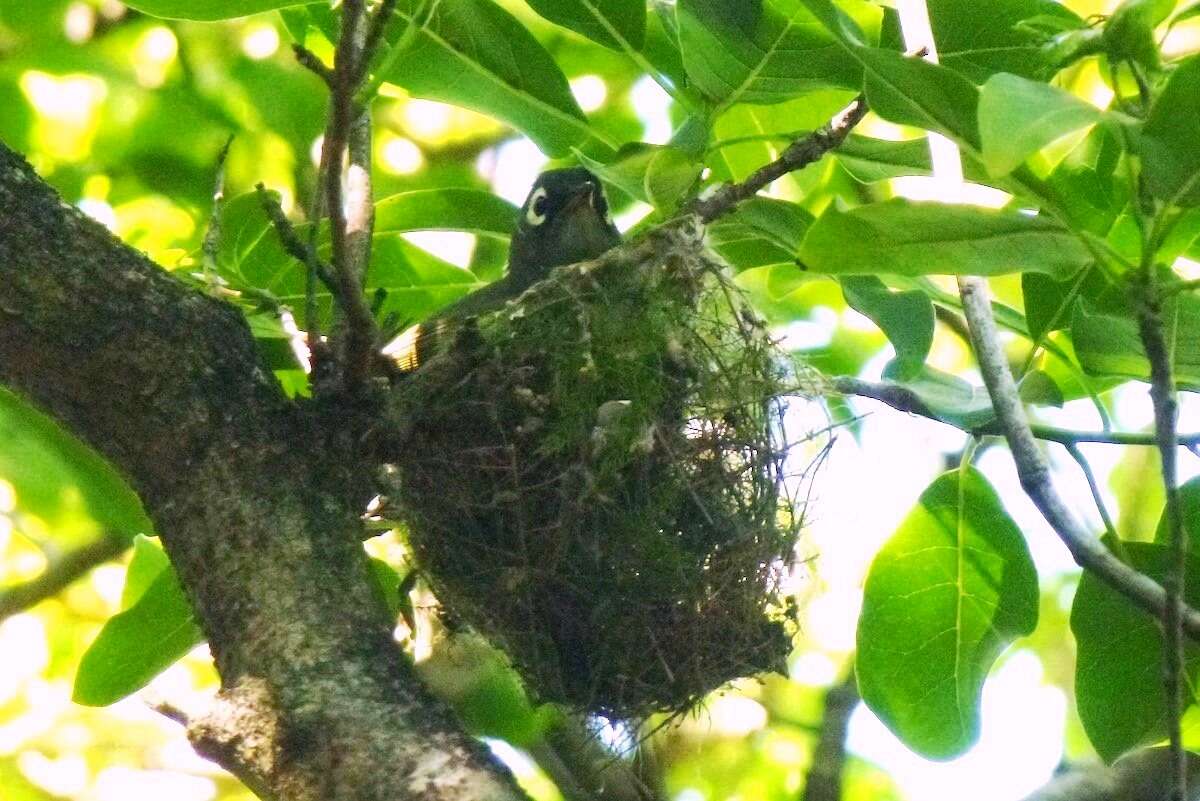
[565, 219]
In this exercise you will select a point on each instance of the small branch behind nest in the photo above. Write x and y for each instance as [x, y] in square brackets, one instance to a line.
[798, 155]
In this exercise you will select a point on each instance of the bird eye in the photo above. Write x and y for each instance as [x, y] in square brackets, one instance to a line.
[536, 213]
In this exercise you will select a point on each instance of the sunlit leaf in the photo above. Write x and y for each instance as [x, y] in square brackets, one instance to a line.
[45, 466]
[761, 52]
[137, 644]
[949, 591]
[619, 24]
[1018, 117]
[474, 54]
[209, 9]
[923, 238]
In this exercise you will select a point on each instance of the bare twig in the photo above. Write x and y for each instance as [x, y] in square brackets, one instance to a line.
[299, 250]
[824, 781]
[797, 156]
[212, 235]
[378, 26]
[309, 60]
[1093, 487]
[1087, 551]
[61, 572]
[904, 399]
[1148, 302]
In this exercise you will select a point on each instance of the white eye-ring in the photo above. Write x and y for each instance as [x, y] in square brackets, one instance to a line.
[532, 215]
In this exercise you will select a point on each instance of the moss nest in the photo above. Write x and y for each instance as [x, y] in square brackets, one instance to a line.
[593, 479]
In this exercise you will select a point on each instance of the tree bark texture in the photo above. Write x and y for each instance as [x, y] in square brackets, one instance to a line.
[257, 511]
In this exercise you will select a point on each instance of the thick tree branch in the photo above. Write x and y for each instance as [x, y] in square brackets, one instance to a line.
[256, 500]
[1088, 551]
[61, 572]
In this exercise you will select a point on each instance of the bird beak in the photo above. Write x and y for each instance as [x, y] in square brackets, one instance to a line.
[582, 197]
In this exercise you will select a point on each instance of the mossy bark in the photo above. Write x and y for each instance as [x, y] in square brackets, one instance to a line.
[250, 500]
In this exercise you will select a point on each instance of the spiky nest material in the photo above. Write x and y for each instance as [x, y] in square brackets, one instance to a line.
[593, 479]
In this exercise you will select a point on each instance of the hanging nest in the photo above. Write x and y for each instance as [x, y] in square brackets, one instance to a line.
[593, 478]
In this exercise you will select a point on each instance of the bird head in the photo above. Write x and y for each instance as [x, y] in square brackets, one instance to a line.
[565, 219]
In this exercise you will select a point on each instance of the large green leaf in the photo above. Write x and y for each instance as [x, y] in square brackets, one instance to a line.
[49, 469]
[909, 91]
[138, 643]
[761, 232]
[209, 9]
[920, 238]
[948, 397]
[905, 317]
[474, 54]
[619, 24]
[1119, 664]
[1109, 344]
[1170, 157]
[948, 592]
[982, 44]
[1018, 117]
[765, 51]
[912, 91]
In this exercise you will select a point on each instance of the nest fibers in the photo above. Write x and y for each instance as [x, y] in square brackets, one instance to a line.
[593, 478]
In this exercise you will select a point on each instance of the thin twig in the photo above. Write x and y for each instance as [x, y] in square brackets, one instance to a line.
[797, 156]
[824, 781]
[1097, 497]
[61, 572]
[1088, 552]
[375, 32]
[296, 248]
[211, 245]
[309, 60]
[904, 399]
[1148, 302]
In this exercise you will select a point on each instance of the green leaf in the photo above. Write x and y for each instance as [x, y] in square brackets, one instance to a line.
[1038, 388]
[948, 397]
[922, 238]
[1108, 344]
[764, 51]
[1170, 158]
[209, 9]
[905, 317]
[1002, 40]
[761, 232]
[912, 91]
[1118, 668]
[474, 54]
[949, 591]
[655, 174]
[618, 24]
[137, 644]
[1018, 117]
[446, 209]
[50, 471]
[148, 563]
[1189, 502]
[1129, 32]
